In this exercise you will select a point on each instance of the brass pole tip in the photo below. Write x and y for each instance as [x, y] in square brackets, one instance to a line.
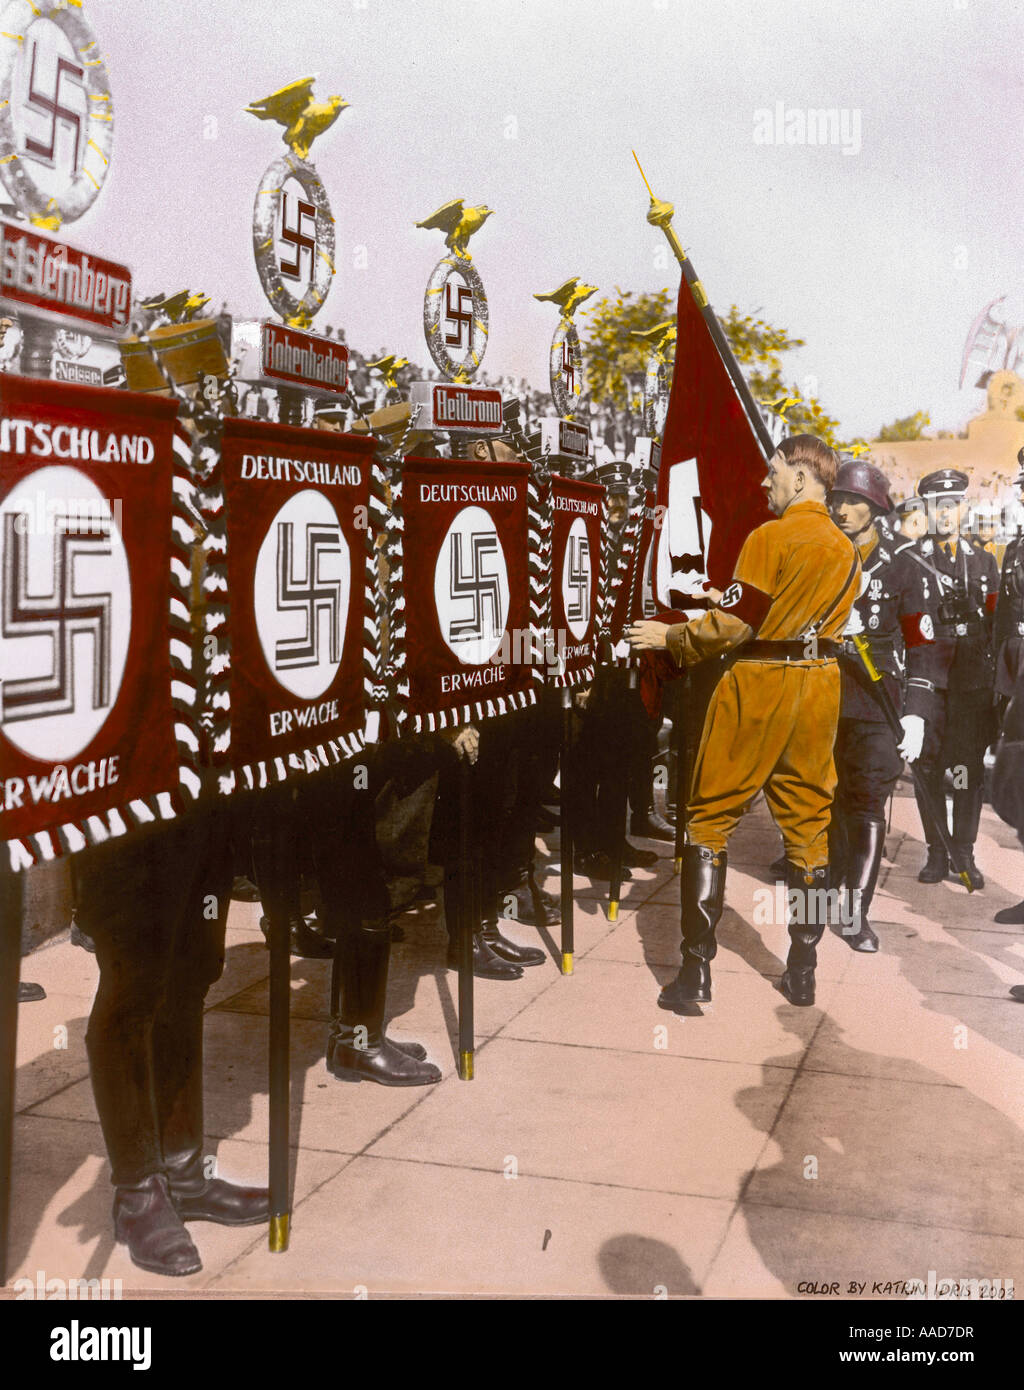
[677, 866]
[465, 1066]
[566, 962]
[966, 880]
[278, 1238]
[613, 911]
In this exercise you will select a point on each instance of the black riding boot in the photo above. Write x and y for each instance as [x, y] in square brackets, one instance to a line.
[702, 892]
[807, 898]
[866, 843]
[357, 1046]
[937, 866]
[967, 802]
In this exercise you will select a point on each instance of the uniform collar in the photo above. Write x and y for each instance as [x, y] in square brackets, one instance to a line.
[809, 505]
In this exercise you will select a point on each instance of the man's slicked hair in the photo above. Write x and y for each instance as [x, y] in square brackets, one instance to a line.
[810, 452]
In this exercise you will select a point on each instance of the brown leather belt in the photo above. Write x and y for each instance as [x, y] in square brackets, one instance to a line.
[827, 650]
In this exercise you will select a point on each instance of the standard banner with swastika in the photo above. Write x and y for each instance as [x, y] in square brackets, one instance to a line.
[465, 647]
[577, 526]
[631, 579]
[296, 524]
[97, 700]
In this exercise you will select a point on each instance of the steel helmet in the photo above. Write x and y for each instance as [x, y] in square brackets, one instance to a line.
[864, 480]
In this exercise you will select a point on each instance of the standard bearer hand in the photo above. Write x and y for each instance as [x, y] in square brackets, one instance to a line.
[913, 737]
[466, 742]
[648, 636]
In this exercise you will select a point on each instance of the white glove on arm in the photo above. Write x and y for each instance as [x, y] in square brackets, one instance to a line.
[913, 737]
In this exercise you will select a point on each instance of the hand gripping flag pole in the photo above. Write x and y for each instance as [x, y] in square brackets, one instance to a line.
[937, 813]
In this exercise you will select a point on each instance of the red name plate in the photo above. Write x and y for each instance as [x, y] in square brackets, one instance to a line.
[465, 409]
[303, 359]
[57, 281]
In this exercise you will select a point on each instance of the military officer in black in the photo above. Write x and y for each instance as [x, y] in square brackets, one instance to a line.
[891, 614]
[961, 583]
[1009, 644]
[1009, 626]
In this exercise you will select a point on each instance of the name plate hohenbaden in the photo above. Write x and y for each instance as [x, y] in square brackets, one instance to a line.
[280, 355]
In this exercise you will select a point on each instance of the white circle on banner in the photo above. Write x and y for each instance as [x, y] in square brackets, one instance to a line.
[471, 590]
[577, 576]
[301, 594]
[66, 618]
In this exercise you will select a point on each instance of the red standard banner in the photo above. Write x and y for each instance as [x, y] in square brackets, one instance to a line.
[97, 702]
[577, 525]
[297, 580]
[461, 599]
[632, 576]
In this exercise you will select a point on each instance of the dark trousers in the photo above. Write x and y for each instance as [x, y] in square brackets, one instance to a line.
[156, 907]
[956, 739]
[494, 782]
[868, 766]
[612, 754]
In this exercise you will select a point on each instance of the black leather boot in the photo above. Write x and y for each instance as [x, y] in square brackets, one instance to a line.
[808, 917]
[145, 1219]
[702, 893]
[652, 826]
[967, 803]
[865, 841]
[306, 941]
[357, 1048]
[937, 865]
[510, 950]
[633, 857]
[199, 1198]
[486, 964]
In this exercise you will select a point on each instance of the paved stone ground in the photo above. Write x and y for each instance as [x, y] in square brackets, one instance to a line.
[736, 1153]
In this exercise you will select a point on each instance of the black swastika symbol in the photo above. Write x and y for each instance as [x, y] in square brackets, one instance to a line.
[61, 616]
[481, 588]
[50, 106]
[309, 593]
[578, 579]
[296, 236]
[460, 316]
[568, 370]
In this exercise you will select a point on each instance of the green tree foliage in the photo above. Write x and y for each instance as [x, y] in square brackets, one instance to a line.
[910, 427]
[613, 355]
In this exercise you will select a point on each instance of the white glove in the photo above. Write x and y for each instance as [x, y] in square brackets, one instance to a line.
[913, 737]
[854, 624]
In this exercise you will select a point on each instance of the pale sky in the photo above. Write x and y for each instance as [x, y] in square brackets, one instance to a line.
[879, 258]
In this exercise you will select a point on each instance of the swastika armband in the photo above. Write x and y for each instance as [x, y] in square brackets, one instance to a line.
[990, 602]
[918, 629]
[746, 603]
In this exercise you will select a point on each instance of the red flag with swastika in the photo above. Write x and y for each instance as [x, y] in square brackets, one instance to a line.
[712, 468]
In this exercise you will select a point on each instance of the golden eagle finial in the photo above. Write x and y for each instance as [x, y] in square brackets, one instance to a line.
[458, 224]
[661, 336]
[389, 367]
[179, 308]
[303, 118]
[569, 296]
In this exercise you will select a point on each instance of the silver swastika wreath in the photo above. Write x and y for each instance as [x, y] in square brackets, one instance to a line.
[46, 100]
[566, 369]
[454, 318]
[657, 381]
[269, 211]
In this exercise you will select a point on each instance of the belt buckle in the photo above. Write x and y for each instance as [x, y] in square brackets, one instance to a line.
[1020, 629]
[961, 629]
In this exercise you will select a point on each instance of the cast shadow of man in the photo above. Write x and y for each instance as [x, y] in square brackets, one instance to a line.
[876, 1139]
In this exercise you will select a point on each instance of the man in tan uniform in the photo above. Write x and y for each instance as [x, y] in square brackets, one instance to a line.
[771, 724]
